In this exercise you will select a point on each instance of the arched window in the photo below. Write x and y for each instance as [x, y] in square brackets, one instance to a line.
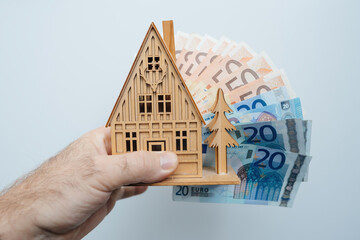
[249, 176]
[270, 187]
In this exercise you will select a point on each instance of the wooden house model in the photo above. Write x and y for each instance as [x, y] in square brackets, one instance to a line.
[156, 112]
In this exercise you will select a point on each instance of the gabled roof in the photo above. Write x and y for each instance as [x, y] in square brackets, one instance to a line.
[152, 26]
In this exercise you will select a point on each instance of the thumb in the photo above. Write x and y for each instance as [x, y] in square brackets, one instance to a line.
[136, 167]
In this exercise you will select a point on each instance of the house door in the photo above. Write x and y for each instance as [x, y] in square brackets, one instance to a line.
[156, 146]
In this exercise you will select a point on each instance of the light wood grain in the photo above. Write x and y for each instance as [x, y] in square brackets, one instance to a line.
[219, 126]
[209, 177]
[156, 112]
[168, 34]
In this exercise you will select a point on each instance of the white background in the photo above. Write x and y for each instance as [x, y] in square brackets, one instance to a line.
[63, 63]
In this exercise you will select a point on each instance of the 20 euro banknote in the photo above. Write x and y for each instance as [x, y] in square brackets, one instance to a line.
[289, 135]
[268, 177]
[282, 110]
[262, 100]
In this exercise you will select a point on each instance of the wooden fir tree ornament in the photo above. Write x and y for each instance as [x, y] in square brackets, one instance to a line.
[156, 112]
[219, 138]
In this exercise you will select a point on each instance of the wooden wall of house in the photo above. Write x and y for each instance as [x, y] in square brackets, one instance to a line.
[128, 106]
[127, 118]
[190, 160]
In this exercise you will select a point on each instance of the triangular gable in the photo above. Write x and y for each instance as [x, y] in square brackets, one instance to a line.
[152, 26]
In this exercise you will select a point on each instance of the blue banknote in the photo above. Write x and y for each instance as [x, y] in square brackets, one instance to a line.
[307, 126]
[289, 135]
[262, 100]
[283, 110]
[268, 177]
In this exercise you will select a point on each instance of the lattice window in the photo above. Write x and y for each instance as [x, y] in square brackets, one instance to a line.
[153, 64]
[131, 143]
[181, 140]
[164, 103]
[145, 103]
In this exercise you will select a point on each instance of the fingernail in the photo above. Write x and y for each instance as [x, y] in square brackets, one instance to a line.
[168, 161]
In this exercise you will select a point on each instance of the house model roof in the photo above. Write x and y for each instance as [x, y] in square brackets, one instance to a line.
[153, 27]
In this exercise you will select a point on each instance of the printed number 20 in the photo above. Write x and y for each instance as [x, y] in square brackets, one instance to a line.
[271, 159]
[183, 191]
[262, 134]
[253, 105]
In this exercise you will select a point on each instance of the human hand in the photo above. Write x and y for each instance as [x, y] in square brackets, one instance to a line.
[71, 193]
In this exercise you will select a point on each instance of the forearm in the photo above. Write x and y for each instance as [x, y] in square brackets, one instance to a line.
[16, 218]
[40, 206]
[18, 210]
[70, 194]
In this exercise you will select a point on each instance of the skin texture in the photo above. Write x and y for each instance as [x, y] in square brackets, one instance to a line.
[71, 193]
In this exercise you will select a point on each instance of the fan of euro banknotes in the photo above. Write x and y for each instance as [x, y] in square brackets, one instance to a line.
[272, 158]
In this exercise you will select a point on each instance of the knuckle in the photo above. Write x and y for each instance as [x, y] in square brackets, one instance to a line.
[124, 164]
[138, 166]
[141, 161]
[144, 165]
